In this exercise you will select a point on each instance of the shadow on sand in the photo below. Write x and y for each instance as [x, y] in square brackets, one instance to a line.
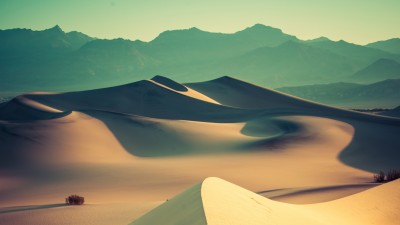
[30, 207]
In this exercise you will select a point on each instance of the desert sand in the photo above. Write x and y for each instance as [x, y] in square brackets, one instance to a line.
[215, 201]
[129, 148]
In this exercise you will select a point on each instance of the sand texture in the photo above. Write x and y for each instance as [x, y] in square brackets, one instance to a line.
[132, 147]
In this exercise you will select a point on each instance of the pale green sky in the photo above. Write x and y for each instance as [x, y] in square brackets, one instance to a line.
[357, 21]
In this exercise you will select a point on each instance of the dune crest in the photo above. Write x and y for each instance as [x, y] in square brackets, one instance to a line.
[24, 109]
[221, 202]
[148, 140]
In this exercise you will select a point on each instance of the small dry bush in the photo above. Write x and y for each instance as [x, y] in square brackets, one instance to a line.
[379, 177]
[75, 200]
[391, 175]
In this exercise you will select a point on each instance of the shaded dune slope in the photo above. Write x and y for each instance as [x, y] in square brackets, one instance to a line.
[146, 98]
[393, 112]
[374, 146]
[22, 108]
[241, 116]
[169, 83]
[236, 93]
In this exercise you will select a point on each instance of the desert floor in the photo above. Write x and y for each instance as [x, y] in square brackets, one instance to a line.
[130, 148]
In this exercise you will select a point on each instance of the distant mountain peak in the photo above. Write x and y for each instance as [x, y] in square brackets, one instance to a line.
[181, 34]
[187, 30]
[194, 29]
[258, 27]
[319, 39]
[56, 28]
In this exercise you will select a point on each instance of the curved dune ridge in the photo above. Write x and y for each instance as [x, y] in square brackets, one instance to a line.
[170, 83]
[223, 115]
[215, 201]
[233, 92]
[23, 108]
[182, 89]
[148, 140]
[145, 98]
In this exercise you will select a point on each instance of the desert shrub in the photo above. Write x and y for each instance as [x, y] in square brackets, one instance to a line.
[75, 200]
[392, 175]
[379, 177]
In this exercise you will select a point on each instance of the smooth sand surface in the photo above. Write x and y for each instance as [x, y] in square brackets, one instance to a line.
[317, 194]
[215, 201]
[144, 142]
[92, 214]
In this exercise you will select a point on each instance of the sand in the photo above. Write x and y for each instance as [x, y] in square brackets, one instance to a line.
[137, 145]
[215, 201]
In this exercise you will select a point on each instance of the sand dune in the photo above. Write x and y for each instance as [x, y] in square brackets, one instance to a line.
[215, 201]
[393, 112]
[181, 89]
[65, 140]
[236, 93]
[23, 108]
[307, 195]
[93, 214]
[146, 98]
[362, 154]
[146, 141]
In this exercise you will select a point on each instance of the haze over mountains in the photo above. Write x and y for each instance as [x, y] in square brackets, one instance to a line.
[383, 94]
[52, 60]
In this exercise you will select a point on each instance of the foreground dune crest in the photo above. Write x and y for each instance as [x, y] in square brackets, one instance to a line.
[215, 201]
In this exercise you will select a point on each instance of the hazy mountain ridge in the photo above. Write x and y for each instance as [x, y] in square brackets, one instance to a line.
[390, 45]
[54, 60]
[19, 42]
[380, 69]
[361, 56]
[290, 63]
[383, 94]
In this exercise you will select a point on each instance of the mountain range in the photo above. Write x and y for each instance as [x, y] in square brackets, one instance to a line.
[382, 94]
[54, 60]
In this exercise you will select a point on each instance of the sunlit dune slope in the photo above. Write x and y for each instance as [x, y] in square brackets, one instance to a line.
[114, 142]
[215, 201]
[146, 98]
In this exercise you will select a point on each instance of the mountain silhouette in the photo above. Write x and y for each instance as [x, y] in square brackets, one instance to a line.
[24, 42]
[53, 60]
[290, 63]
[380, 69]
[359, 55]
[383, 94]
[391, 45]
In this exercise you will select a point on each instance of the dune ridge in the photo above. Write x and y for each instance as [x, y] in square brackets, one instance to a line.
[25, 109]
[146, 141]
[237, 93]
[225, 203]
[145, 98]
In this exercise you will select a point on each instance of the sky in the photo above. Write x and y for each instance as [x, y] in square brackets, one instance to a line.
[356, 21]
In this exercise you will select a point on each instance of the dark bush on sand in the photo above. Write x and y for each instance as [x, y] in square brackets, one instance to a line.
[75, 200]
[390, 176]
